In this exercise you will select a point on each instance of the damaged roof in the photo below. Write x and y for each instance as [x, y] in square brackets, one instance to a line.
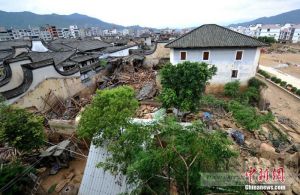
[212, 35]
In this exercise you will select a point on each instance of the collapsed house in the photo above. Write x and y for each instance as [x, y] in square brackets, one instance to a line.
[30, 68]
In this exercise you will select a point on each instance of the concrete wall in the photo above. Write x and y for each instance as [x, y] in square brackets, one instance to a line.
[160, 53]
[17, 75]
[224, 60]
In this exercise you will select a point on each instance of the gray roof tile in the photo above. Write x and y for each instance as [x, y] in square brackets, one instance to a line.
[212, 35]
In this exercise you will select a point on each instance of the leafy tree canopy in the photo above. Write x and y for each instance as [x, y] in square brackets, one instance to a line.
[164, 156]
[184, 84]
[20, 128]
[108, 113]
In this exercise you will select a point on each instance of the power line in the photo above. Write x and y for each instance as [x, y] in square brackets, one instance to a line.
[16, 179]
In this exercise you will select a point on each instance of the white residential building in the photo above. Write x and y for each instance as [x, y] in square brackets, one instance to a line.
[255, 30]
[74, 31]
[235, 55]
[270, 30]
[286, 32]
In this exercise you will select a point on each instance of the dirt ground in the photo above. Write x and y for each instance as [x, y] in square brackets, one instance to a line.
[284, 105]
[283, 54]
[76, 166]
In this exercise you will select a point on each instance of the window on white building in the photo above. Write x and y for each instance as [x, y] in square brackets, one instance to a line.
[183, 55]
[238, 55]
[205, 55]
[234, 73]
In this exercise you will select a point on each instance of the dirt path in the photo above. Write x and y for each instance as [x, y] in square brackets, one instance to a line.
[284, 105]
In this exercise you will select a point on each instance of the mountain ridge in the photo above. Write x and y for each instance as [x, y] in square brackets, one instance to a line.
[25, 19]
[286, 17]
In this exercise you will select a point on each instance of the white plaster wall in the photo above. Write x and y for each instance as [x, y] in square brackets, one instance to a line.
[124, 52]
[17, 75]
[38, 46]
[296, 36]
[224, 60]
[41, 74]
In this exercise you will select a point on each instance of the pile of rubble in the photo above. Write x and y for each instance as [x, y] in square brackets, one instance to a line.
[57, 108]
[143, 80]
[145, 111]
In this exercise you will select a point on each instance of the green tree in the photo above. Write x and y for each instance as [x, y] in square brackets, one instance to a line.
[266, 39]
[167, 157]
[108, 114]
[21, 129]
[184, 84]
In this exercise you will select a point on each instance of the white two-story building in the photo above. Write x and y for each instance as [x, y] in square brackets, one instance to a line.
[270, 30]
[235, 55]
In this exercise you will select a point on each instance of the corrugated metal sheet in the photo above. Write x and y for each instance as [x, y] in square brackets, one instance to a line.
[96, 181]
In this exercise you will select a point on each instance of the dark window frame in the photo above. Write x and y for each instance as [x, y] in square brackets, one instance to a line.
[239, 55]
[203, 55]
[181, 56]
[234, 74]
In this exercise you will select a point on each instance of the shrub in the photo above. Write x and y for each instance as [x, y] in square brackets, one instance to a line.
[298, 92]
[289, 86]
[251, 95]
[264, 73]
[283, 83]
[294, 89]
[232, 89]
[20, 128]
[247, 116]
[266, 39]
[254, 82]
[273, 79]
[267, 76]
[278, 80]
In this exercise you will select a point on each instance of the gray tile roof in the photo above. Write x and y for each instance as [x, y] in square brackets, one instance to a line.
[87, 45]
[58, 57]
[81, 45]
[117, 48]
[212, 35]
[6, 45]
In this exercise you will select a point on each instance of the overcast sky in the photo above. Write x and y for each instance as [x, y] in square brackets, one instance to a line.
[158, 13]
